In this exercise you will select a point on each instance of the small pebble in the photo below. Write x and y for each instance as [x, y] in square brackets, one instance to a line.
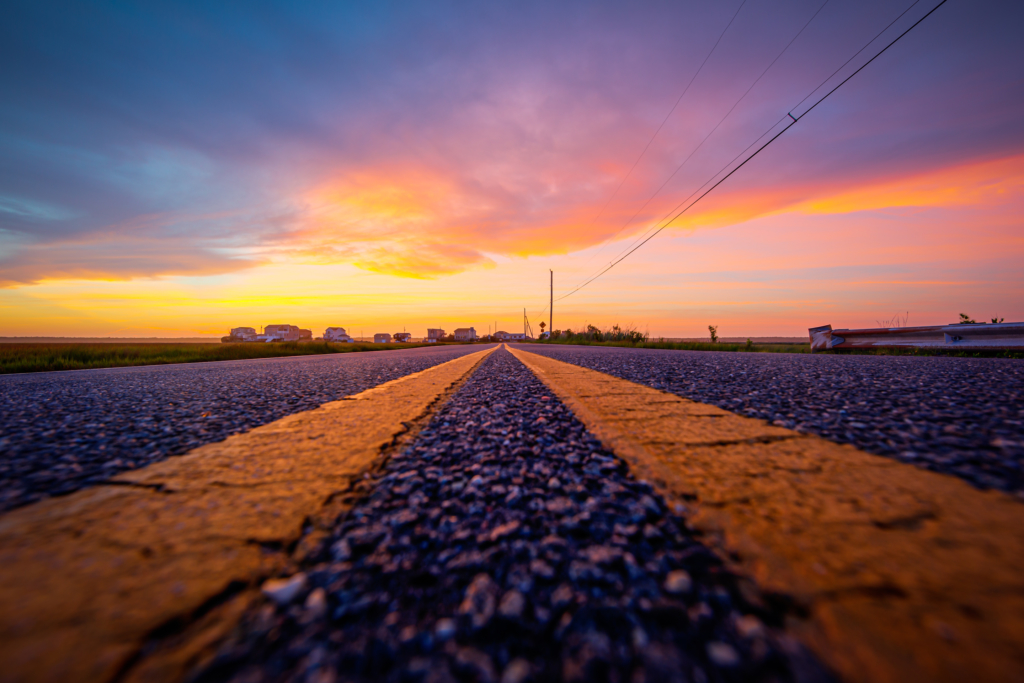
[517, 671]
[678, 582]
[542, 569]
[479, 600]
[512, 605]
[722, 654]
[445, 629]
[316, 603]
[283, 591]
[476, 663]
[749, 626]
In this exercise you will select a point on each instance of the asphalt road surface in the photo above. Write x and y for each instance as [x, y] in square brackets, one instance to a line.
[959, 416]
[505, 544]
[63, 431]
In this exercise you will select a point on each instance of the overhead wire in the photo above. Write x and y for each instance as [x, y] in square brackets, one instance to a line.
[720, 122]
[772, 127]
[662, 125]
[793, 121]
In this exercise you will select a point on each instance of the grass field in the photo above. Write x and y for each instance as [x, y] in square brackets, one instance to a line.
[46, 357]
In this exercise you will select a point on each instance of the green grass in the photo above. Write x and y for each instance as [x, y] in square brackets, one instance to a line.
[70, 356]
[788, 348]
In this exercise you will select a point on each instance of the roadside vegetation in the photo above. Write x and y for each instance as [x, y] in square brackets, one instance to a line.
[69, 356]
[633, 338]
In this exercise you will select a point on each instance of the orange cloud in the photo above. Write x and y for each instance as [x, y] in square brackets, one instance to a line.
[427, 223]
[420, 223]
[408, 223]
[974, 183]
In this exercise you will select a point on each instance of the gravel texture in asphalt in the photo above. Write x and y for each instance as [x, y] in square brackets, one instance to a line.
[63, 431]
[505, 544]
[959, 416]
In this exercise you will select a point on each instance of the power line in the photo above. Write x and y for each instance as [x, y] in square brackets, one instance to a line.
[772, 127]
[641, 239]
[717, 125]
[793, 122]
[663, 122]
[695, 192]
[843, 65]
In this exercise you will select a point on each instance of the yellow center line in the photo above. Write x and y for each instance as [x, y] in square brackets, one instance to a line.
[87, 578]
[904, 574]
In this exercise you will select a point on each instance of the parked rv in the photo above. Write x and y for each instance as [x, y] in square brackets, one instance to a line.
[337, 334]
[271, 333]
[242, 334]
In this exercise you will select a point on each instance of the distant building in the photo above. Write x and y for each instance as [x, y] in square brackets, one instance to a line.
[435, 334]
[382, 338]
[244, 334]
[402, 337]
[510, 336]
[465, 334]
[305, 335]
[337, 334]
[273, 333]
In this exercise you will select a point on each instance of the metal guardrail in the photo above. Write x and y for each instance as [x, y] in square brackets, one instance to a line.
[994, 336]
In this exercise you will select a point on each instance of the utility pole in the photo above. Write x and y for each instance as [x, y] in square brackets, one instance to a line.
[551, 305]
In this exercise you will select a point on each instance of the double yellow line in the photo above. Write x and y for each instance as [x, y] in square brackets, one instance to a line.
[898, 574]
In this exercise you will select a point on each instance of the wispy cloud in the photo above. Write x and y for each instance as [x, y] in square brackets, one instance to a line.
[114, 259]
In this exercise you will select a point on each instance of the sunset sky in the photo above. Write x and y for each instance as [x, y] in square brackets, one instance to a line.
[178, 169]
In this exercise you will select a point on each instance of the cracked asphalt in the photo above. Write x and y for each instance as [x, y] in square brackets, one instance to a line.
[505, 544]
[958, 416]
[63, 431]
